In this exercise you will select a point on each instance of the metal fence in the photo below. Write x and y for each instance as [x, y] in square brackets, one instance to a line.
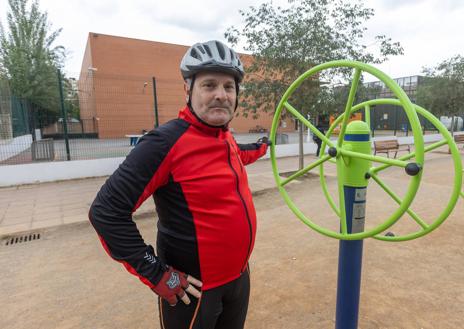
[101, 115]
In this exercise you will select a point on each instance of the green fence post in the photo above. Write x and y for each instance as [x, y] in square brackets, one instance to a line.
[155, 99]
[64, 114]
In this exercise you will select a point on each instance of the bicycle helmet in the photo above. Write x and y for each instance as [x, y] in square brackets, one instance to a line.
[213, 56]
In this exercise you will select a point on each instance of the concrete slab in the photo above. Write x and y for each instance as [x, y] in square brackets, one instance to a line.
[32, 206]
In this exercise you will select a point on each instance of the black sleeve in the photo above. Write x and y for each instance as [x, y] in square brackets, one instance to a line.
[251, 152]
[111, 211]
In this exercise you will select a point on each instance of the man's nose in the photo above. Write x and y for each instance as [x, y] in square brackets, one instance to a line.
[221, 93]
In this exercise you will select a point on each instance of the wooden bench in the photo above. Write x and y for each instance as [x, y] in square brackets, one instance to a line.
[390, 145]
[133, 139]
[458, 139]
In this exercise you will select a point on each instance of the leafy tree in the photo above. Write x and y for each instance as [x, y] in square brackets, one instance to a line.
[285, 42]
[71, 100]
[28, 58]
[442, 89]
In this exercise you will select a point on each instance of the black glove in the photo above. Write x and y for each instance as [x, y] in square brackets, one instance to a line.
[264, 140]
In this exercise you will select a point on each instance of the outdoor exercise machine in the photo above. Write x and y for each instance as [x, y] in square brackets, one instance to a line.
[352, 154]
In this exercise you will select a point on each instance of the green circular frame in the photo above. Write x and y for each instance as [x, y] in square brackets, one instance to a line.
[455, 155]
[414, 123]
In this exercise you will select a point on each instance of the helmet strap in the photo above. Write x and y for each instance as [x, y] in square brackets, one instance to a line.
[189, 97]
[237, 89]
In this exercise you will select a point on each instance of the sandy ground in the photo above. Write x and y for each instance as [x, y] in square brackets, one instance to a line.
[65, 279]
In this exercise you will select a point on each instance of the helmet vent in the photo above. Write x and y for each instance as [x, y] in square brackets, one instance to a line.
[201, 49]
[232, 55]
[208, 51]
[220, 49]
[195, 54]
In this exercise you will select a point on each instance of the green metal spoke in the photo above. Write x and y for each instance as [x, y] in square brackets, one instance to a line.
[375, 158]
[397, 199]
[305, 170]
[341, 197]
[349, 105]
[308, 124]
[411, 155]
[367, 115]
[461, 193]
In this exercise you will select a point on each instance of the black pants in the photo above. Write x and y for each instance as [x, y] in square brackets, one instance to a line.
[224, 307]
[319, 143]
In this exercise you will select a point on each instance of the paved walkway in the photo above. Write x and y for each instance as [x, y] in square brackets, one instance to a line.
[37, 206]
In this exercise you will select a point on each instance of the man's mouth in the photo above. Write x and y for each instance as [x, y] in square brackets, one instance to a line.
[219, 108]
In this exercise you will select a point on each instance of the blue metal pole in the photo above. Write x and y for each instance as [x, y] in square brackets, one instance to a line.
[353, 171]
[350, 261]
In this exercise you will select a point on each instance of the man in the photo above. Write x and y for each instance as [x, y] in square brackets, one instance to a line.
[194, 170]
[317, 140]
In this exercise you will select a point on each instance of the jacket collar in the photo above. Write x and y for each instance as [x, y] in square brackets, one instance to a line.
[188, 115]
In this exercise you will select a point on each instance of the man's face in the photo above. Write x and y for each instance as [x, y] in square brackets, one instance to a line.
[213, 97]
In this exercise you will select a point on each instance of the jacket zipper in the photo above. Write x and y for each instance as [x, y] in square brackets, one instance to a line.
[244, 205]
[238, 160]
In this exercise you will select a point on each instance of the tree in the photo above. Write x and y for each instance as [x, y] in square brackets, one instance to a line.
[286, 42]
[442, 89]
[71, 100]
[28, 58]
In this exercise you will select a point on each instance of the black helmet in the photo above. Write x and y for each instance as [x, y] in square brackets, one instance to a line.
[211, 56]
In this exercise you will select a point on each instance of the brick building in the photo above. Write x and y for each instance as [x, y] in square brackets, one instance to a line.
[116, 87]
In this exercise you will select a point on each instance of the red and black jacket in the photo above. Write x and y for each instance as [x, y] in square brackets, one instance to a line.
[207, 221]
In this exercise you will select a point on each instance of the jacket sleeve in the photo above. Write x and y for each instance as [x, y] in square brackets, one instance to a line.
[141, 173]
[249, 153]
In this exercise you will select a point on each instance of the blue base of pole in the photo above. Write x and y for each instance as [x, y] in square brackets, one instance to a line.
[350, 261]
[349, 284]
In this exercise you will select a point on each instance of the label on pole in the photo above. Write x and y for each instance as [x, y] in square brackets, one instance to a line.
[359, 211]
[360, 194]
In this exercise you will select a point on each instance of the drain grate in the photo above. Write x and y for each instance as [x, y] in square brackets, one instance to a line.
[22, 238]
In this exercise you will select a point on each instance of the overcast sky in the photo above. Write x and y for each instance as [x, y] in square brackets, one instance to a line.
[429, 30]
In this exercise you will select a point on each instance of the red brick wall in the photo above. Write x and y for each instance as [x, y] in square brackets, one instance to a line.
[122, 86]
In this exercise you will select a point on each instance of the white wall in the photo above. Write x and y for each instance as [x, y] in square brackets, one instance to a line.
[53, 171]
[63, 170]
[286, 150]
[430, 138]
[9, 149]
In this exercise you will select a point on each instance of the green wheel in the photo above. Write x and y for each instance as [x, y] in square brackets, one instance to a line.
[341, 153]
[373, 172]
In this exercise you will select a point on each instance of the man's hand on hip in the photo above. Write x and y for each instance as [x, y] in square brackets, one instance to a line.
[175, 284]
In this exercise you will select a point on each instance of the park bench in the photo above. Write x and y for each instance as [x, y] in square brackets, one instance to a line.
[458, 139]
[133, 139]
[390, 145]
